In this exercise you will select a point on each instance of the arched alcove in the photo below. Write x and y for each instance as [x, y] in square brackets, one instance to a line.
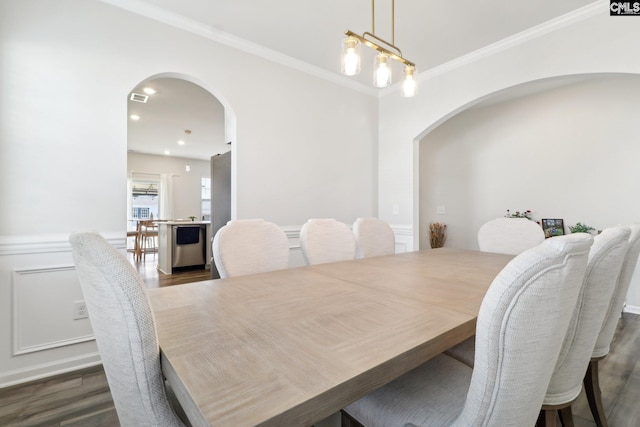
[557, 146]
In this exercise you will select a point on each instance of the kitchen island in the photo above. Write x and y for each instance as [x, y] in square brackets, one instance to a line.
[183, 245]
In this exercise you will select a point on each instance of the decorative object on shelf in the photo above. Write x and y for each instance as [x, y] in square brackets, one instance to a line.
[525, 214]
[438, 234]
[581, 228]
[553, 227]
[192, 218]
[350, 64]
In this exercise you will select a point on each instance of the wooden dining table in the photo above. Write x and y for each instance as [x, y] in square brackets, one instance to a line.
[291, 347]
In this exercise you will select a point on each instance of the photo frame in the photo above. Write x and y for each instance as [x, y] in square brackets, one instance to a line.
[553, 227]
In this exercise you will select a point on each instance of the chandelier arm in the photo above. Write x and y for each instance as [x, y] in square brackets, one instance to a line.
[397, 49]
[396, 56]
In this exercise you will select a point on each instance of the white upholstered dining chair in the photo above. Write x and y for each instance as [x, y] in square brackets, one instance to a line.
[605, 261]
[509, 235]
[325, 240]
[608, 329]
[521, 325]
[250, 246]
[601, 268]
[374, 237]
[123, 324]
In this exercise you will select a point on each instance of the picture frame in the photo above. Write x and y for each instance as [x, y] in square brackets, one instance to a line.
[553, 227]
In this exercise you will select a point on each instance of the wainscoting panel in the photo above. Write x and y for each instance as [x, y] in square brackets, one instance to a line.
[43, 309]
[404, 238]
[296, 259]
[38, 287]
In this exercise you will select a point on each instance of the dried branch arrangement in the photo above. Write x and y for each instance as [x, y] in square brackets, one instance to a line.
[438, 233]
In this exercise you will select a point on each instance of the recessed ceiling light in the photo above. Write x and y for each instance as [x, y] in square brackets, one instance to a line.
[149, 90]
[134, 117]
[138, 97]
[167, 152]
[181, 142]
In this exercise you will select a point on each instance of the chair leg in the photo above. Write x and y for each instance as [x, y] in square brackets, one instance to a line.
[594, 395]
[137, 250]
[348, 421]
[566, 417]
[547, 418]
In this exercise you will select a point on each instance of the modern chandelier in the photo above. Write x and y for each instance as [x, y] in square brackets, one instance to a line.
[381, 66]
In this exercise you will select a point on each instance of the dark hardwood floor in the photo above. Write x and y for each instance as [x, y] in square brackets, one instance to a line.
[619, 379]
[154, 279]
[82, 398]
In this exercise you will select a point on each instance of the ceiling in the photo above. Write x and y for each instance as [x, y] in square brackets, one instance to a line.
[177, 105]
[430, 33]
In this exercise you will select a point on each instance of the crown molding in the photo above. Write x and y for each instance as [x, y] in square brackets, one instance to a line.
[156, 13]
[143, 8]
[532, 33]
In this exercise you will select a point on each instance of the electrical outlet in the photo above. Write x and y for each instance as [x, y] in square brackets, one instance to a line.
[80, 310]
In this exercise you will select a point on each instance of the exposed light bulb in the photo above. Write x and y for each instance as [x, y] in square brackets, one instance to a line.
[381, 71]
[350, 56]
[410, 85]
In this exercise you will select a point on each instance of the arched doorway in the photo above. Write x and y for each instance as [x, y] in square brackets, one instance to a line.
[176, 126]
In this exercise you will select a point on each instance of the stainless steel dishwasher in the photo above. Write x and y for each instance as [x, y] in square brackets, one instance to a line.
[188, 247]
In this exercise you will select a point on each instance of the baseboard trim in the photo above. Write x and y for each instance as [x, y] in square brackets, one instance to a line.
[633, 309]
[38, 372]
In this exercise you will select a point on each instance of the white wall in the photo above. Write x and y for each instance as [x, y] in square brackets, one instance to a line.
[187, 193]
[304, 148]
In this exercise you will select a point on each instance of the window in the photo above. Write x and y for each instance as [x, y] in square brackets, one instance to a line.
[140, 213]
[206, 199]
[144, 199]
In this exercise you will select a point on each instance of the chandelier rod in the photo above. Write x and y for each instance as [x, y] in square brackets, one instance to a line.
[397, 56]
[393, 22]
[373, 16]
